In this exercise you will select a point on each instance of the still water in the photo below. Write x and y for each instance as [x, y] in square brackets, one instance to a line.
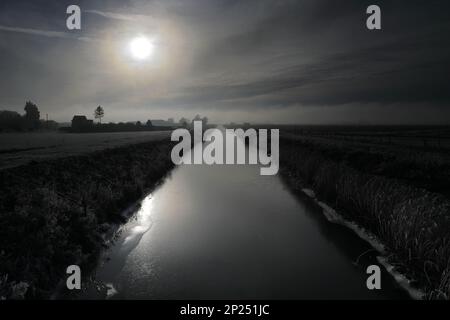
[226, 232]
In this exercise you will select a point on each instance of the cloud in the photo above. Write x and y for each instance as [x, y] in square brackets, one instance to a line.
[47, 33]
[391, 72]
[119, 16]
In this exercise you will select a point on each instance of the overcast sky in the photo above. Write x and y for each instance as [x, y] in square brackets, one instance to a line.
[304, 61]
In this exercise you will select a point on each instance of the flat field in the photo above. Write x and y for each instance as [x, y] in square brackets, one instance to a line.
[20, 148]
[418, 156]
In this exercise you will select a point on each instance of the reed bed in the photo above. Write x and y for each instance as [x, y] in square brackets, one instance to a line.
[413, 223]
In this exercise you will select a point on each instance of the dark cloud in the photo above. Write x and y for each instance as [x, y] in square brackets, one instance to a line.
[227, 58]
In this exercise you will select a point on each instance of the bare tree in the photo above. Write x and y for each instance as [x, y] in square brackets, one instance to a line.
[99, 113]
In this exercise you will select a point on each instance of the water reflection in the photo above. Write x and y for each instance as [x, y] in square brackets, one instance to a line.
[142, 225]
[226, 232]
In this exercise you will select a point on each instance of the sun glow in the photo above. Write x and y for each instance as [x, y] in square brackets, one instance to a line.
[141, 48]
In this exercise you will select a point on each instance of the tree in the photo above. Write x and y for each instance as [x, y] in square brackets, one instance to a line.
[149, 123]
[204, 120]
[184, 122]
[99, 113]
[10, 120]
[32, 115]
[196, 118]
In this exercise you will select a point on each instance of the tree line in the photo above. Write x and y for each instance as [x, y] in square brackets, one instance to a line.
[30, 121]
[12, 121]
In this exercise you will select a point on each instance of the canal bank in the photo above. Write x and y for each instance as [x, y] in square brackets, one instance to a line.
[410, 222]
[56, 213]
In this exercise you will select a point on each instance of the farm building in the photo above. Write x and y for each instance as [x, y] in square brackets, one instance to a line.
[81, 123]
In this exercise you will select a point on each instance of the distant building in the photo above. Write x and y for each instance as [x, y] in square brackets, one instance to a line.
[81, 123]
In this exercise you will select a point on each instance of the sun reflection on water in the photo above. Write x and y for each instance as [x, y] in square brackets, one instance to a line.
[143, 219]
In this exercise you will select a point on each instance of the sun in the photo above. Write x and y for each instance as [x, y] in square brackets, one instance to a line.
[141, 48]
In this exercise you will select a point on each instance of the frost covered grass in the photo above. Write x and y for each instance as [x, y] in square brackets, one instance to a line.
[55, 213]
[412, 222]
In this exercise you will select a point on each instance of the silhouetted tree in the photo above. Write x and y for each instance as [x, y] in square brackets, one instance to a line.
[32, 115]
[99, 113]
[196, 118]
[10, 121]
[149, 123]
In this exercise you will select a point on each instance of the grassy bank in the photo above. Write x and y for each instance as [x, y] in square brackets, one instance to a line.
[55, 213]
[412, 222]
